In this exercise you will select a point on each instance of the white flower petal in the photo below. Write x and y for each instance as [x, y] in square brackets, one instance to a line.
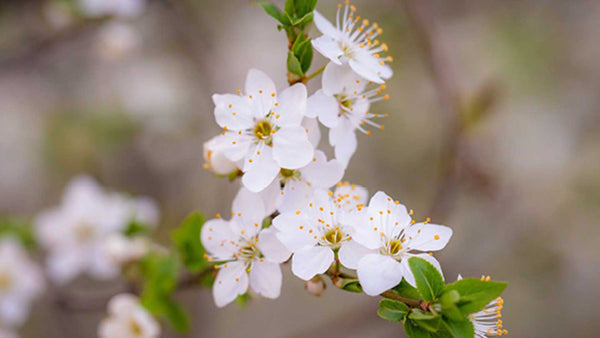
[271, 247]
[64, 265]
[427, 237]
[270, 196]
[351, 253]
[266, 278]
[378, 273]
[295, 196]
[291, 106]
[234, 146]
[249, 206]
[122, 304]
[324, 26]
[262, 89]
[314, 133]
[329, 48]
[322, 173]
[216, 236]
[231, 282]
[294, 231]
[342, 80]
[344, 141]
[325, 107]
[233, 111]
[291, 148]
[311, 261]
[388, 216]
[260, 169]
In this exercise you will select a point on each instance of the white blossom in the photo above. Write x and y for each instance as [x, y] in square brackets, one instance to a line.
[263, 129]
[122, 249]
[21, 281]
[353, 43]
[316, 231]
[343, 106]
[385, 238]
[127, 318]
[216, 161]
[249, 255]
[75, 232]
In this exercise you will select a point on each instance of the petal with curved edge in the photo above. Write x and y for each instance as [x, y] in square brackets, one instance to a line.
[271, 247]
[324, 26]
[311, 261]
[122, 304]
[261, 92]
[378, 273]
[356, 195]
[231, 281]
[291, 106]
[325, 107]
[294, 231]
[234, 146]
[314, 134]
[266, 278]
[233, 111]
[248, 206]
[407, 272]
[295, 196]
[427, 237]
[216, 236]
[389, 216]
[322, 173]
[291, 148]
[260, 169]
[329, 48]
[344, 142]
[351, 253]
[342, 80]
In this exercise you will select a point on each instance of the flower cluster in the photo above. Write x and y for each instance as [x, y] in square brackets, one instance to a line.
[266, 138]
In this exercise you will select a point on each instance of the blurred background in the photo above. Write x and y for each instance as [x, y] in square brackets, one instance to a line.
[494, 130]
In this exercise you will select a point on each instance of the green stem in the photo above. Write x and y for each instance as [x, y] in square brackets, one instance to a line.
[391, 295]
[317, 72]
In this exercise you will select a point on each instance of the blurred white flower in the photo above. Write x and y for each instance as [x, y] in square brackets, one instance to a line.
[263, 129]
[21, 281]
[123, 249]
[383, 240]
[343, 106]
[316, 230]
[8, 333]
[74, 233]
[358, 48]
[119, 8]
[216, 161]
[127, 318]
[251, 255]
[117, 39]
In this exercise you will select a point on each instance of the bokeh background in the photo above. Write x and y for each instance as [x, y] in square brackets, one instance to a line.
[127, 100]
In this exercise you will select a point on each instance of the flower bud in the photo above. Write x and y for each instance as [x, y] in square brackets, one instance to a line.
[316, 286]
[216, 161]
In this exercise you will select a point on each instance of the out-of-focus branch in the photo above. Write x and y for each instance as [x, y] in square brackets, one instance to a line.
[424, 24]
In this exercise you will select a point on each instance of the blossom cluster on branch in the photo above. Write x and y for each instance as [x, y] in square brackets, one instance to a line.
[292, 207]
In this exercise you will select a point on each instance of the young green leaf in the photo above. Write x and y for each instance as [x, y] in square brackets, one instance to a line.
[413, 330]
[430, 283]
[272, 10]
[351, 285]
[426, 320]
[135, 229]
[475, 294]
[448, 301]
[304, 7]
[406, 290]
[187, 239]
[459, 329]
[290, 7]
[392, 310]
[19, 230]
[293, 64]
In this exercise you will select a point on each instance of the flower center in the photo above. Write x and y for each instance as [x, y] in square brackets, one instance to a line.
[263, 130]
[5, 282]
[249, 252]
[344, 104]
[394, 247]
[135, 328]
[334, 236]
[83, 232]
[289, 173]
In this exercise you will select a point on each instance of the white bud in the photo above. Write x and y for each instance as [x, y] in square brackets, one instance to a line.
[216, 161]
[316, 286]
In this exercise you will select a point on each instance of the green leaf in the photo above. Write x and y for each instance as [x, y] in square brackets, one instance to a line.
[187, 239]
[242, 300]
[293, 64]
[135, 229]
[160, 273]
[18, 229]
[392, 310]
[426, 320]
[303, 21]
[430, 283]
[272, 10]
[413, 330]
[448, 302]
[351, 285]
[290, 7]
[304, 7]
[459, 329]
[406, 290]
[475, 294]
